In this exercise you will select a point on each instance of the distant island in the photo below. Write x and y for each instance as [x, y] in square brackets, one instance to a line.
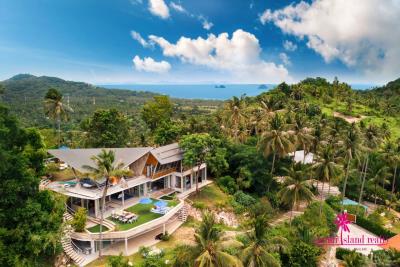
[263, 86]
[220, 86]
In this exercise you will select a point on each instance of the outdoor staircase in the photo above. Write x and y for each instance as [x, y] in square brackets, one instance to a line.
[44, 183]
[68, 246]
[183, 214]
[70, 250]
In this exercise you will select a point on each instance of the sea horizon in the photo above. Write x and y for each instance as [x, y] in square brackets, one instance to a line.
[207, 91]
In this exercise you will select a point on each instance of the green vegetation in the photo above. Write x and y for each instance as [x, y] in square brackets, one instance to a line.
[30, 220]
[96, 229]
[79, 221]
[144, 213]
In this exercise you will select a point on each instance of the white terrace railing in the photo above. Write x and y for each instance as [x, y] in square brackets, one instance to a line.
[140, 229]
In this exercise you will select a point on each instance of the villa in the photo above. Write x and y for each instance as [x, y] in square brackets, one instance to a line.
[158, 178]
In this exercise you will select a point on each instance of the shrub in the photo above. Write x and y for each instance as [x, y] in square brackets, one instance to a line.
[79, 221]
[117, 261]
[165, 237]
[355, 259]
[341, 252]
[199, 205]
[303, 254]
[244, 199]
[227, 184]
[374, 227]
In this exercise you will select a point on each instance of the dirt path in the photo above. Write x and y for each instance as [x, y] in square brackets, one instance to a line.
[347, 118]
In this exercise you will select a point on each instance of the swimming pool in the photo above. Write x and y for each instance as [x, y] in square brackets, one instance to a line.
[352, 203]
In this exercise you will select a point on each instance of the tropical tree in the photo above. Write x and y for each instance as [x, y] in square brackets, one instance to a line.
[55, 109]
[372, 141]
[211, 245]
[235, 115]
[302, 135]
[378, 174]
[296, 187]
[107, 128]
[258, 251]
[276, 141]
[391, 154]
[106, 167]
[197, 148]
[351, 146]
[326, 169]
[157, 111]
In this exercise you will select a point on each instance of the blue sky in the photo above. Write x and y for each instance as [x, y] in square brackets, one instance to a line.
[229, 41]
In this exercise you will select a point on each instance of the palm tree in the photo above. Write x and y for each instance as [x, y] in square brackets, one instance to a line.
[372, 141]
[296, 187]
[258, 252]
[351, 145]
[211, 245]
[379, 173]
[105, 168]
[392, 156]
[302, 135]
[276, 141]
[55, 109]
[235, 115]
[326, 168]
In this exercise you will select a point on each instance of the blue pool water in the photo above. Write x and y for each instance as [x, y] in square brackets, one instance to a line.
[352, 203]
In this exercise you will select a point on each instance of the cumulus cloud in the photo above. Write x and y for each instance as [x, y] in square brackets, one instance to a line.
[136, 36]
[177, 7]
[289, 46]
[285, 59]
[159, 8]
[238, 55]
[363, 34]
[148, 64]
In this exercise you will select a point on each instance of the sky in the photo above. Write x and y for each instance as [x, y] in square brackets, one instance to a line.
[192, 41]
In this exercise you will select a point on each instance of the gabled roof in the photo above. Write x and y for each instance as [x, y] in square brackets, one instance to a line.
[77, 158]
[167, 154]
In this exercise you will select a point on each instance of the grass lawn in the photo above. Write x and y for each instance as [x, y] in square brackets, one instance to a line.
[144, 213]
[211, 196]
[96, 228]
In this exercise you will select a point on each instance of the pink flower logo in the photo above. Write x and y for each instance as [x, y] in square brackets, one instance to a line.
[341, 221]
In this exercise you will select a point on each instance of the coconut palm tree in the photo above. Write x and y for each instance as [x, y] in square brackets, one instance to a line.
[326, 168]
[106, 167]
[210, 245]
[296, 187]
[302, 135]
[351, 146]
[391, 154]
[378, 174]
[55, 109]
[258, 252]
[276, 141]
[372, 141]
[235, 115]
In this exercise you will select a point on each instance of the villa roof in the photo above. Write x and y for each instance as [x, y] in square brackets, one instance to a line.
[301, 157]
[77, 158]
[393, 242]
[167, 154]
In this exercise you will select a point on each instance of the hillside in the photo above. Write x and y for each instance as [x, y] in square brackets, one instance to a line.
[24, 95]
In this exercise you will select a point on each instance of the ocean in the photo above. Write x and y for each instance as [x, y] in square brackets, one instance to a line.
[196, 91]
[205, 91]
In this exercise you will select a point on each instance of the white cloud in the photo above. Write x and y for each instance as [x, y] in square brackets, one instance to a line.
[148, 64]
[285, 59]
[177, 7]
[207, 25]
[238, 56]
[363, 34]
[136, 36]
[159, 8]
[289, 46]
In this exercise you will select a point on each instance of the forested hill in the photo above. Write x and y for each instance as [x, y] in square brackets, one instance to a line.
[24, 95]
[390, 89]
